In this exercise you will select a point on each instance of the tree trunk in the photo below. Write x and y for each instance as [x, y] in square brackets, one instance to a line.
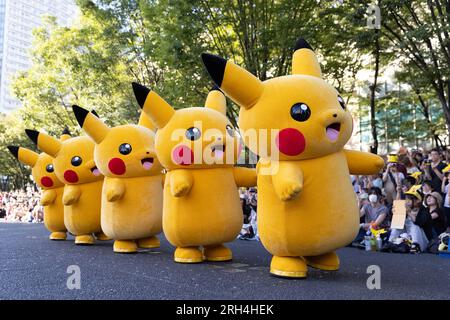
[373, 122]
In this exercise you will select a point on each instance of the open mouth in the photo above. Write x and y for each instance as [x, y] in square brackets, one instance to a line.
[333, 131]
[95, 171]
[218, 150]
[147, 163]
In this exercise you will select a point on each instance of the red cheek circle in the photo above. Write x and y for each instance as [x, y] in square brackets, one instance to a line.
[47, 182]
[70, 176]
[183, 155]
[117, 166]
[290, 142]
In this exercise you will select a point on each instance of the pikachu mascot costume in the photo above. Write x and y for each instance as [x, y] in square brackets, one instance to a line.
[132, 193]
[74, 165]
[52, 188]
[306, 205]
[198, 147]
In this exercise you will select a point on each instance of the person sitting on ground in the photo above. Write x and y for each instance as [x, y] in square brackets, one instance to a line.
[416, 218]
[427, 187]
[373, 213]
[438, 223]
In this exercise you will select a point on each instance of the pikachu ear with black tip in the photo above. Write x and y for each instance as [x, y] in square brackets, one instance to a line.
[95, 113]
[65, 134]
[240, 85]
[91, 124]
[304, 60]
[24, 155]
[155, 107]
[216, 100]
[44, 142]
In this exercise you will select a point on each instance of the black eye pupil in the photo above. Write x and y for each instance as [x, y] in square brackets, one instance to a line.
[49, 168]
[230, 130]
[341, 102]
[193, 133]
[76, 161]
[125, 148]
[300, 112]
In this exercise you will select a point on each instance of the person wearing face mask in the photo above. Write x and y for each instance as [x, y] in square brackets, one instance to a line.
[373, 214]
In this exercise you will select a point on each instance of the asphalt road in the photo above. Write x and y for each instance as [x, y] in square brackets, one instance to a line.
[33, 267]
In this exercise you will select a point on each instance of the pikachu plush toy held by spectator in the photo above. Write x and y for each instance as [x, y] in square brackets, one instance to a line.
[199, 147]
[52, 188]
[306, 205]
[132, 196]
[73, 162]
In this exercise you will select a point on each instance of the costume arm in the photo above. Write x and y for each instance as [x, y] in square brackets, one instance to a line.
[363, 163]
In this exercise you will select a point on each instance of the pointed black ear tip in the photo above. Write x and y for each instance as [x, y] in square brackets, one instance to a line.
[33, 135]
[215, 88]
[302, 44]
[95, 113]
[14, 150]
[80, 114]
[215, 66]
[66, 131]
[140, 92]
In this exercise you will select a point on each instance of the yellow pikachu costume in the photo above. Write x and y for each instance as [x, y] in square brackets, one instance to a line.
[132, 193]
[52, 188]
[306, 204]
[74, 165]
[198, 146]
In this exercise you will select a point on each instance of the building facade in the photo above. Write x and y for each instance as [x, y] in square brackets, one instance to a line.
[18, 18]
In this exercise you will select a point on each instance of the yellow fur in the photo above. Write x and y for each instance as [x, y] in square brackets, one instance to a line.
[306, 203]
[201, 201]
[51, 198]
[132, 199]
[82, 193]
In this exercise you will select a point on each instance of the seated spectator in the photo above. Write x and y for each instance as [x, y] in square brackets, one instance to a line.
[427, 187]
[374, 214]
[445, 190]
[438, 223]
[417, 217]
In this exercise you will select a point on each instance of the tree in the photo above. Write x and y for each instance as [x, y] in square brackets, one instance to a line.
[419, 31]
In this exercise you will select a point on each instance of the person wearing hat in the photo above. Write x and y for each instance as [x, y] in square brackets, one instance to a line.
[392, 179]
[438, 223]
[417, 217]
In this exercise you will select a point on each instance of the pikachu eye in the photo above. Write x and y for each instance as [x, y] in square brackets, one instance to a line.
[342, 102]
[300, 112]
[125, 148]
[230, 130]
[76, 161]
[193, 133]
[49, 168]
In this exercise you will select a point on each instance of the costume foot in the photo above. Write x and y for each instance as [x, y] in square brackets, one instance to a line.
[102, 237]
[125, 246]
[188, 255]
[217, 253]
[289, 267]
[86, 239]
[148, 243]
[59, 235]
[328, 261]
